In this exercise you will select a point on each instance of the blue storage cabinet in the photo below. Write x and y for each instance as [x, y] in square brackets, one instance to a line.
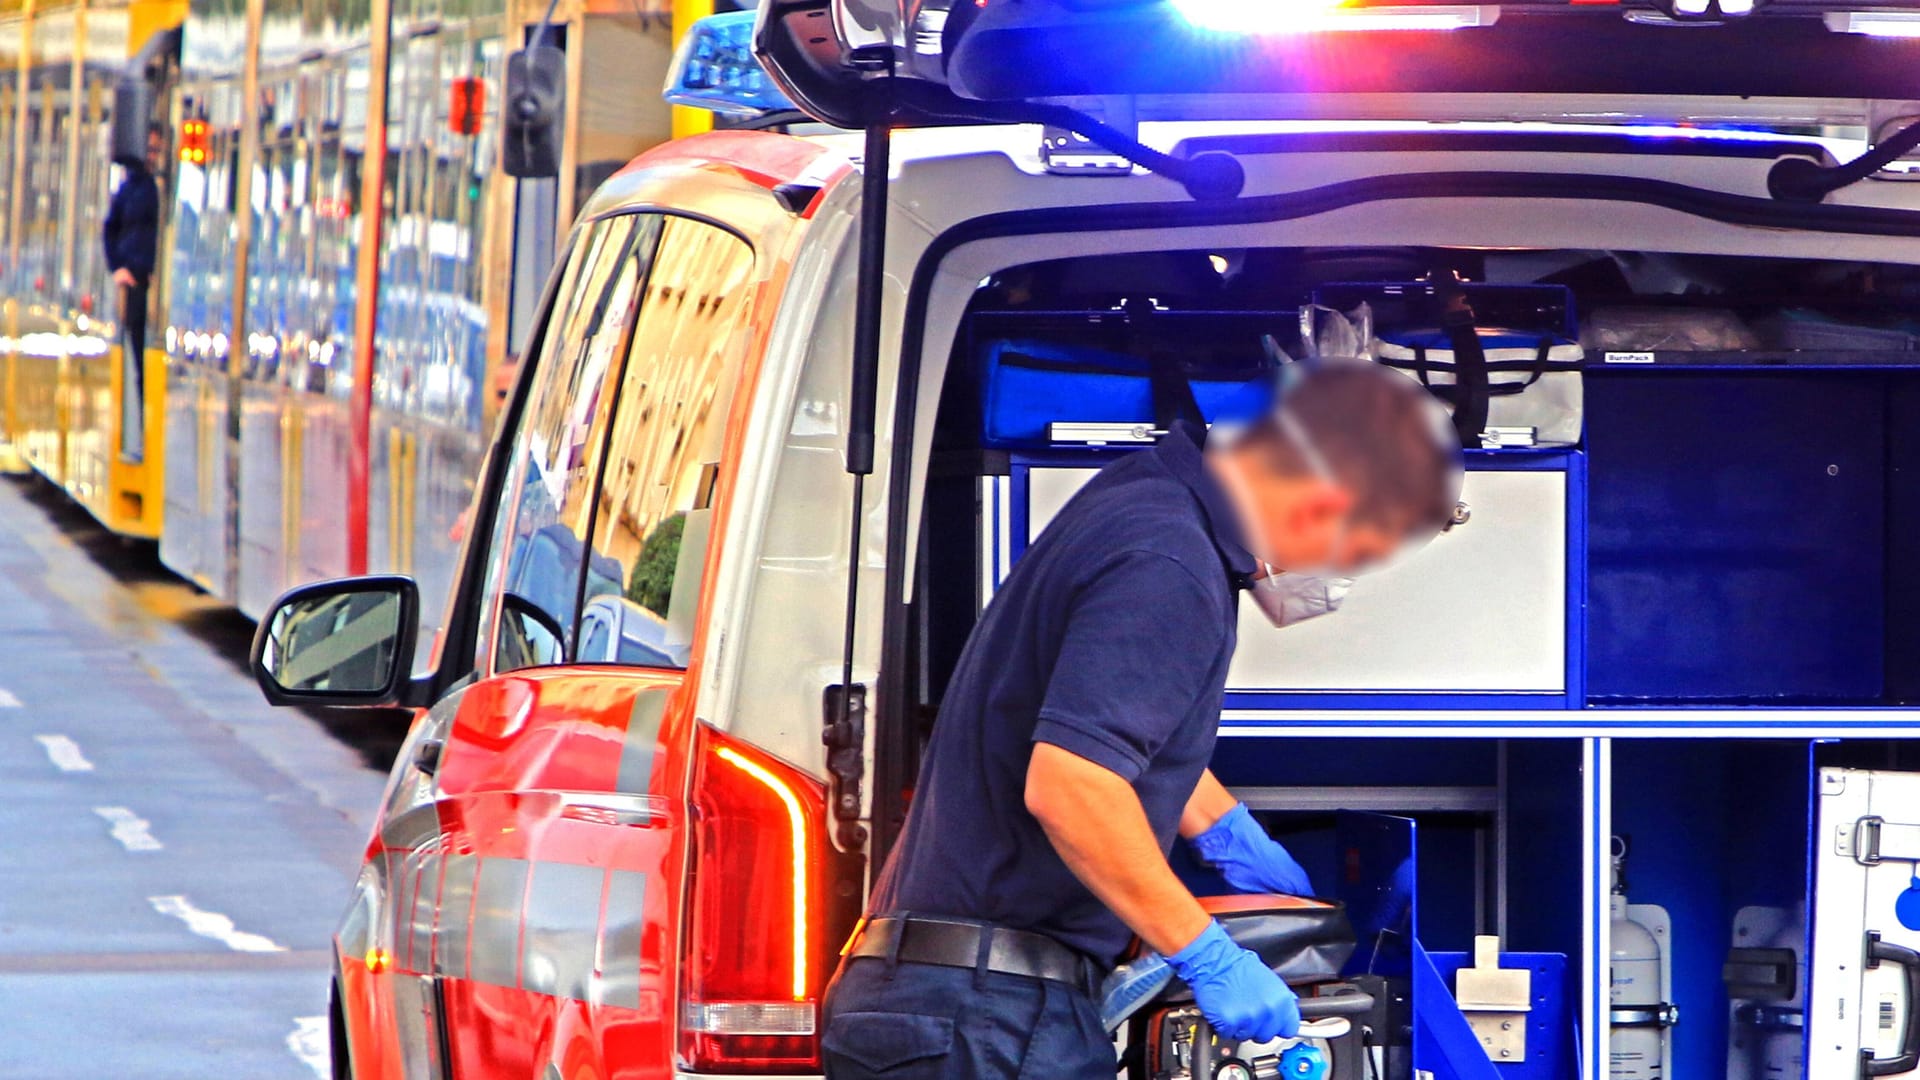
[1738, 547]
[1752, 591]
[1737, 591]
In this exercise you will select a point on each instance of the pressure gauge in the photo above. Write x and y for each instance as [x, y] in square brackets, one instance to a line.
[1232, 1069]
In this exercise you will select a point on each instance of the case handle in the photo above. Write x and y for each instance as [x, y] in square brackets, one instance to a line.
[1879, 952]
[1350, 1003]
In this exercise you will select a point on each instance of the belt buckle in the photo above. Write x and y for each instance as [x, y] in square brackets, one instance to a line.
[1090, 976]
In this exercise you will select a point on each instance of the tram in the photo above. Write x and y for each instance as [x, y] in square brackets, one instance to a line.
[329, 330]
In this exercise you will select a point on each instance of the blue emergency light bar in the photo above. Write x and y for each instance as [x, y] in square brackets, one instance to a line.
[715, 69]
[1320, 16]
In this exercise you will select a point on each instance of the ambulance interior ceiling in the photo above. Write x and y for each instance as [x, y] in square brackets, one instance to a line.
[1750, 445]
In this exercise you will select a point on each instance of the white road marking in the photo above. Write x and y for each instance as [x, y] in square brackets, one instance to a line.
[309, 1043]
[64, 753]
[212, 924]
[7, 700]
[134, 832]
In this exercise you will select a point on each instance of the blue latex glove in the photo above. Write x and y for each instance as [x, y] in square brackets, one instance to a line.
[1248, 858]
[1236, 991]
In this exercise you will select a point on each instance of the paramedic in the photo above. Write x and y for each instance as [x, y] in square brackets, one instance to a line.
[131, 236]
[1074, 739]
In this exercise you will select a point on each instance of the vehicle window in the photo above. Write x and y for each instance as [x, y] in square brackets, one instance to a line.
[539, 556]
[685, 361]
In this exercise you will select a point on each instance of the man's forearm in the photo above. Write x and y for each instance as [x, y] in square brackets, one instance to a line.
[1208, 803]
[1096, 823]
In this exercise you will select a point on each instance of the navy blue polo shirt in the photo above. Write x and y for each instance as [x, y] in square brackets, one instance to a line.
[1110, 639]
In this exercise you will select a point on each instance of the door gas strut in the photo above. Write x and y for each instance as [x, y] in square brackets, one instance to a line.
[1207, 177]
[1798, 179]
[1210, 176]
[845, 706]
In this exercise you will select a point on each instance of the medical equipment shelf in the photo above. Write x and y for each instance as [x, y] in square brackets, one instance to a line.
[1593, 722]
[1392, 798]
[1666, 360]
[1718, 818]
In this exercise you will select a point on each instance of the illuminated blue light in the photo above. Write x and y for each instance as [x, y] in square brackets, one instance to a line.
[1248, 16]
[715, 69]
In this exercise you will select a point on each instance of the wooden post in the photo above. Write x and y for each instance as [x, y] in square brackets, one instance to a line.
[366, 276]
[23, 92]
[77, 118]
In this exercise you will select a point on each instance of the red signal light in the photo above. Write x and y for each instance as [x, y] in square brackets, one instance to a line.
[467, 106]
[195, 141]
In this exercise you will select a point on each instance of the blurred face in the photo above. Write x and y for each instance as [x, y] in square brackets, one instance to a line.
[1305, 524]
[156, 150]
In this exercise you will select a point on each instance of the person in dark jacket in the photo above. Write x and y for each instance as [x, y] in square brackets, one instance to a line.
[131, 236]
[1074, 737]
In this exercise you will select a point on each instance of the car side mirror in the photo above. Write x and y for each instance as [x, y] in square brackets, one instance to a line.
[529, 636]
[343, 643]
[533, 122]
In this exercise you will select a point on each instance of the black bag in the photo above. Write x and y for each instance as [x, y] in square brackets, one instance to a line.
[1304, 941]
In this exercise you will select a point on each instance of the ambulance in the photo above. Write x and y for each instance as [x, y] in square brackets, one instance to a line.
[1616, 779]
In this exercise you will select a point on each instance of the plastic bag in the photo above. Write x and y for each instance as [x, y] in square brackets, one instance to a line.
[1327, 332]
[1652, 329]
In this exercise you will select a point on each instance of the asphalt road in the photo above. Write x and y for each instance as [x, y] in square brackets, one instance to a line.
[174, 852]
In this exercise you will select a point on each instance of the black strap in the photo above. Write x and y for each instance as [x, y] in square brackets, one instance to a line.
[1173, 398]
[1471, 386]
[1421, 366]
[1539, 363]
[1414, 363]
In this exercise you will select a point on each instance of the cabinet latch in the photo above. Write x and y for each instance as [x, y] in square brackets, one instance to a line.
[1874, 839]
[844, 731]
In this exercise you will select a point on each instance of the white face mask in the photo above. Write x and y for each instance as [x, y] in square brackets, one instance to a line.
[1290, 599]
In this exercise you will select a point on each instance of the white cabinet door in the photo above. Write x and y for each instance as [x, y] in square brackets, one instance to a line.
[1482, 610]
[1866, 848]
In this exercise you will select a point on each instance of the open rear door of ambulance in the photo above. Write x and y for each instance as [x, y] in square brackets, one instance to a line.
[1092, 71]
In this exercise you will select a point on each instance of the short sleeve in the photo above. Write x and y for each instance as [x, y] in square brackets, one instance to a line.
[1142, 645]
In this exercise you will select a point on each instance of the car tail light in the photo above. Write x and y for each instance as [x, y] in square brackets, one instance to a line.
[758, 955]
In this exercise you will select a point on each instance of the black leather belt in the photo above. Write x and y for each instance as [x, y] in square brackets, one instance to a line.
[922, 940]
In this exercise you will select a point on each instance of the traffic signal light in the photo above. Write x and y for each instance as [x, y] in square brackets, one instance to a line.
[195, 142]
[468, 107]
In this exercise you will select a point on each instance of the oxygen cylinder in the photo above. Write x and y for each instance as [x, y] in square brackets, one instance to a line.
[1636, 1049]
